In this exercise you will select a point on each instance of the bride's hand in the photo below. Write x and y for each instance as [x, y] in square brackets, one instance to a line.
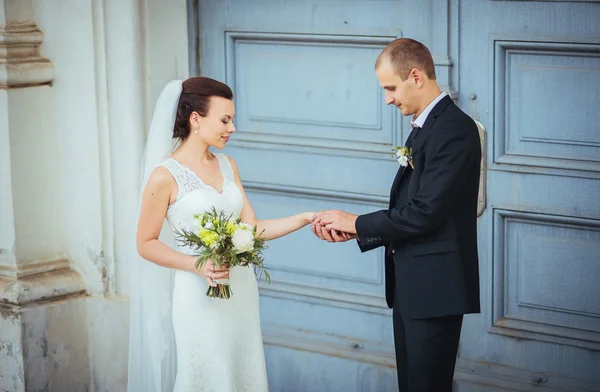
[308, 217]
[212, 273]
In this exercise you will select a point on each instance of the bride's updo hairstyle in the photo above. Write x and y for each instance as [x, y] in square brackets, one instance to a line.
[195, 97]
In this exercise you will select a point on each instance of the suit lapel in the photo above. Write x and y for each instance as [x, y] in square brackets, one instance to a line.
[417, 143]
[429, 121]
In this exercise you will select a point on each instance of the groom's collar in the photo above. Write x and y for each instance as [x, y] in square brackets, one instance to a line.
[437, 110]
[420, 121]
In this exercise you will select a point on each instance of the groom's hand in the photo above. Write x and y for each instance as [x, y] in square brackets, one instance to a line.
[337, 220]
[330, 235]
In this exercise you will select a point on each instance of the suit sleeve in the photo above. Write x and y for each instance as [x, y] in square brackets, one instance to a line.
[449, 154]
[366, 243]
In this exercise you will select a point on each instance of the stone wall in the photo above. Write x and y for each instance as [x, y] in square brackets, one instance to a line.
[78, 82]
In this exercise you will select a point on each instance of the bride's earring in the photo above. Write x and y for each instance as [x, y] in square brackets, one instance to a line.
[196, 131]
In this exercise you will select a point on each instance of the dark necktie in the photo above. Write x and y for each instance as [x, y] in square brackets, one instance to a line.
[412, 136]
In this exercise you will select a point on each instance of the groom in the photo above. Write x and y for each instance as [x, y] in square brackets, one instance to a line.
[429, 230]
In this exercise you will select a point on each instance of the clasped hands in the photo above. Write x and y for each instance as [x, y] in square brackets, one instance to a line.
[334, 226]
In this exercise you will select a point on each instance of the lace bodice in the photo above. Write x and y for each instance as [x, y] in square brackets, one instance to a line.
[196, 197]
[188, 181]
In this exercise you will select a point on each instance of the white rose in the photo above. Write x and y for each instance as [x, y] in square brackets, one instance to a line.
[403, 161]
[243, 241]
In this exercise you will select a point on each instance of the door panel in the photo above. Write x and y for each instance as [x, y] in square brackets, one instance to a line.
[536, 91]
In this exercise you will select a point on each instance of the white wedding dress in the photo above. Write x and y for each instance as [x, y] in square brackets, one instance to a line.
[219, 341]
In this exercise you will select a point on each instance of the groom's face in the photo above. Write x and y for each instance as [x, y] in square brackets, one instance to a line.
[398, 92]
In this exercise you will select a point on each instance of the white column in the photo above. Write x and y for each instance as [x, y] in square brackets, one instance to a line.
[139, 47]
[39, 292]
[126, 124]
[31, 240]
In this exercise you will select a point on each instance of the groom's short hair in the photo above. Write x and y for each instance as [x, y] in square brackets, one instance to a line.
[404, 54]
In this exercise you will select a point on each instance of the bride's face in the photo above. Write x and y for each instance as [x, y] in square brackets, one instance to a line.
[216, 128]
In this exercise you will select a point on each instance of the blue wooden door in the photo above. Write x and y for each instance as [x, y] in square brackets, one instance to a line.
[313, 133]
[530, 72]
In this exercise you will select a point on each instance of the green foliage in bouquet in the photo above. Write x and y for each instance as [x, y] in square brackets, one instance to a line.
[227, 242]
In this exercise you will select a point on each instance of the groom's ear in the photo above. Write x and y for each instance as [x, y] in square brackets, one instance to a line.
[417, 76]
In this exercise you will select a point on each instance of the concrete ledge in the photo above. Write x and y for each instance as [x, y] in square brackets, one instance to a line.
[20, 63]
[40, 287]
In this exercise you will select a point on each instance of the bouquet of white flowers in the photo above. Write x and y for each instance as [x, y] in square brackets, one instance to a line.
[227, 242]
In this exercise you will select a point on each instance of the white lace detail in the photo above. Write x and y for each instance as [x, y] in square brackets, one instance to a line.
[188, 181]
[226, 168]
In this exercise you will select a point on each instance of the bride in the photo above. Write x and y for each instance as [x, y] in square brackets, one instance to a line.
[180, 339]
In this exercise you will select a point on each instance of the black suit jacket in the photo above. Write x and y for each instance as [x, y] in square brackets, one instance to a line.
[430, 228]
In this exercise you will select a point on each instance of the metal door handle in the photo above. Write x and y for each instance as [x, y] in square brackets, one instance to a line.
[482, 194]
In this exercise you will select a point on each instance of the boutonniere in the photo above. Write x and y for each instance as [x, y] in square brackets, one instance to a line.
[404, 156]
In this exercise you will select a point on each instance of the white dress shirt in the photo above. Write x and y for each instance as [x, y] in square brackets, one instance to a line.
[419, 121]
